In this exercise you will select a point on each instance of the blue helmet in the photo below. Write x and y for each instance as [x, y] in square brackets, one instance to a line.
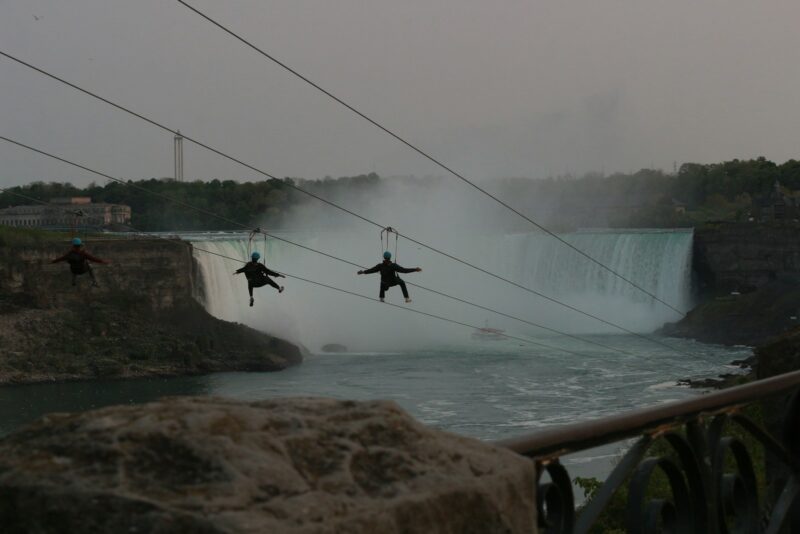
[76, 241]
[387, 255]
[255, 256]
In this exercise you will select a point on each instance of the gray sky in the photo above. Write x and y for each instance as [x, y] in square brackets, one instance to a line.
[494, 88]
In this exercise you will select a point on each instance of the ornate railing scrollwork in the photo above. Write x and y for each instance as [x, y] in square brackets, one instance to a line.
[685, 482]
[555, 501]
[737, 492]
[708, 481]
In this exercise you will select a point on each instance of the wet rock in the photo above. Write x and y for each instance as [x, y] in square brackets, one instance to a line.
[746, 319]
[334, 347]
[291, 466]
[724, 381]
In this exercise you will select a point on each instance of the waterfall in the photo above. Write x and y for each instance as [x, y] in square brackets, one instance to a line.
[659, 261]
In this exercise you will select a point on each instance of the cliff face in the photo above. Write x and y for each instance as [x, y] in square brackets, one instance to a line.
[746, 256]
[161, 272]
[748, 277]
[142, 319]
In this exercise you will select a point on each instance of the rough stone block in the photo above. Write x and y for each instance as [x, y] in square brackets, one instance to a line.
[199, 464]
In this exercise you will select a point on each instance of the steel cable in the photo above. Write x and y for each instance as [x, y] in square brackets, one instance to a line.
[428, 156]
[374, 223]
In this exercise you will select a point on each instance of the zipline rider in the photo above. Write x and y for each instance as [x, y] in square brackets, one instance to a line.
[389, 278]
[258, 275]
[78, 260]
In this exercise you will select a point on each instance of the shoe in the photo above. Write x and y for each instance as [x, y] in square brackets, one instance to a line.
[408, 300]
[280, 290]
[251, 301]
[383, 300]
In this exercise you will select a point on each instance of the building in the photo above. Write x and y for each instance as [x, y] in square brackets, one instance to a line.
[71, 212]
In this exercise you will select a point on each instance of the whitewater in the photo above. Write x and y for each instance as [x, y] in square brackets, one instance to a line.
[312, 316]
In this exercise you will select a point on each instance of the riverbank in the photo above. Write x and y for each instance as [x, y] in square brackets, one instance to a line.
[144, 319]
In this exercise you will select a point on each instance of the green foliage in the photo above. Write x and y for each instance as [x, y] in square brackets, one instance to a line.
[612, 520]
[697, 193]
[13, 237]
[264, 202]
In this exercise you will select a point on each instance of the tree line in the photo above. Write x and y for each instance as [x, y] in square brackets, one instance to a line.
[647, 198]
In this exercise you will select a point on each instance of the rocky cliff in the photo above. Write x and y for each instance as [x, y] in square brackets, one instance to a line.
[748, 281]
[743, 257]
[210, 465]
[143, 318]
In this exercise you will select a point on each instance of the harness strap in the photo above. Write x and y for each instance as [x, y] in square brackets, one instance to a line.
[388, 231]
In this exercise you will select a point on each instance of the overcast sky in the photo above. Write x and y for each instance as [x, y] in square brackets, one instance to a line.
[494, 88]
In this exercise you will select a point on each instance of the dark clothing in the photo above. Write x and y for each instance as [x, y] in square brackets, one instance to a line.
[255, 271]
[396, 282]
[389, 271]
[389, 277]
[258, 276]
[260, 283]
[78, 260]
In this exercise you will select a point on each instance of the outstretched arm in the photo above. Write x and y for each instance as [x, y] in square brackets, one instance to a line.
[239, 271]
[92, 258]
[61, 258]
[409, 270]
[270, 272]
[371, 270]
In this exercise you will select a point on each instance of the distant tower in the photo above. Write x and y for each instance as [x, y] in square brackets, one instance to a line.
[178, 146]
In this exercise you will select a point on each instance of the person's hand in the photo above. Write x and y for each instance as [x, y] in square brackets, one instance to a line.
[419, 269]
[235, 272]
[360, 272]
[282, 276]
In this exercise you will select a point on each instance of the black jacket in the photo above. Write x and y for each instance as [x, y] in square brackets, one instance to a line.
[388, 271]
[78, 259]
[254, 270]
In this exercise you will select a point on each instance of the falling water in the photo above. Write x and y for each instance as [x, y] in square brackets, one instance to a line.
[658, 261]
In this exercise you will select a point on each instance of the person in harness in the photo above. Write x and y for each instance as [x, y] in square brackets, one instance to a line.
[258, 275]
[389, 278]
[78, 260]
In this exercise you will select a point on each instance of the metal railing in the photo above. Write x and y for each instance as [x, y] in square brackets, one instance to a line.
[710, 475]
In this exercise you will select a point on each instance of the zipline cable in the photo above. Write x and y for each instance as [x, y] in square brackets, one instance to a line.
[428, 156]
[244, 226]
[342, 260]
[333, 288]
[210, 252]
[231, 158]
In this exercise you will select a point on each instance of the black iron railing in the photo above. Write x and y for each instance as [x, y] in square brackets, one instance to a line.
[710, 475]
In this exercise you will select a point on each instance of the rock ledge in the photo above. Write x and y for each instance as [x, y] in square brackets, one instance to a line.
[210, 465]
